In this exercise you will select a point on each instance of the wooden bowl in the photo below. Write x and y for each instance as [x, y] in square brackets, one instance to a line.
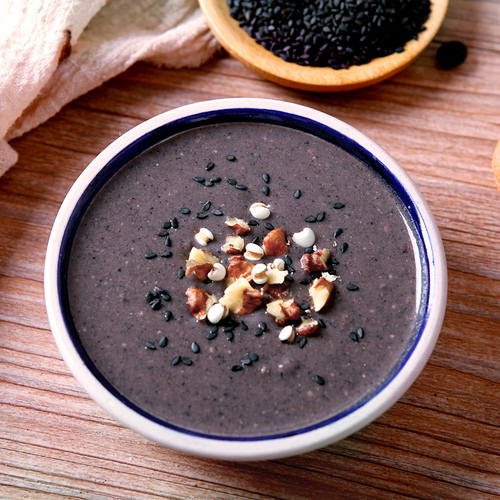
[496, 164]
[243, 47]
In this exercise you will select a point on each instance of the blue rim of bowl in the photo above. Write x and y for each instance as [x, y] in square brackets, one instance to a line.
[233, 115]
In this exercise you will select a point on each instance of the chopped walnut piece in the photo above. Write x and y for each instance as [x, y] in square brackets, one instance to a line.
[307, 326]
[200, 262]
[283, 310]
[238, 225]
[275, 243]
[277, 291]
[234, 245]
[275, 276]
[321, 290]
[316, 261]
[241, 298]
[240, 268]
[199, 302]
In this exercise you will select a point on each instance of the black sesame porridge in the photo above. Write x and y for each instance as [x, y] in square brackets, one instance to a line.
[244, 279]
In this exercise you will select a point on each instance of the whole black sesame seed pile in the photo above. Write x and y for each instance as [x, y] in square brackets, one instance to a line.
[331, 33]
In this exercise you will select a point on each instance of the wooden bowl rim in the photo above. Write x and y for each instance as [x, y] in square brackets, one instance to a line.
[241, 46]
[495, 164]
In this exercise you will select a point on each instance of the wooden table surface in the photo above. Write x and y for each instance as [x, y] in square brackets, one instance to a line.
[440, 441]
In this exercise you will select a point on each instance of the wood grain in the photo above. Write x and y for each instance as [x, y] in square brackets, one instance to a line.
[440, 441]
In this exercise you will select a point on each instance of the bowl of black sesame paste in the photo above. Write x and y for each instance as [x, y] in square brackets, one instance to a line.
[325, 45]
[245, 279]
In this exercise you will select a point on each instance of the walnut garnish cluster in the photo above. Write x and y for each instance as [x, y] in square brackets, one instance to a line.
[252, 283]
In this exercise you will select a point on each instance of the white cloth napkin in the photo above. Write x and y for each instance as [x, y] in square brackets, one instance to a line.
[52, 51]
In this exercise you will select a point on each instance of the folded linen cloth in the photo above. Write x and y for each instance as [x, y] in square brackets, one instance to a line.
[52, 51]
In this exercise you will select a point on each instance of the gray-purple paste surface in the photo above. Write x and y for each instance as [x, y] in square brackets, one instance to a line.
[110, 277]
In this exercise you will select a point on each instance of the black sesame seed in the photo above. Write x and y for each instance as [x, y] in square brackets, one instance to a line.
[217, 212]
[232, 322]
[253, 222]
[228, 328]
[305, 281]
[184, 210]
[451, 54]
[266, 190]
[162, 233]
[230, 335]
[150, 345]
[168, 241]
[360, 332]
[166, 225]
[208, 184]
[288, 260]
[304, 306]
[168, 315]
[268, 226]
[266, 178]
[321, 216]
[215, 180]
[201, 215]
[263, 326]
[338, 205]
[150, 255]
[297, 194]
[302, 342]
[319, 379]
[198, 179]
[210, 165]
[321, 323]
[186, 361]
[344, 247]
[352, 287]
[167, 254]
[334, 262]
[212, 335]
[255, 239]
[206, 206]
[163, 342]
[252, 356]
[311, 218]
[231, 158]
[241, 187]
[150, 296]
[195, 347]
[258, 332]
[159, 289]
[166, 296]
[243, 325]
[233, 182]
[236, 368]
[289, 278]
[155, 304]
[354, 336]
[309, 250]
[176, 360]
[181, 273]
[338, 232]
[246, 362]
[335, 33]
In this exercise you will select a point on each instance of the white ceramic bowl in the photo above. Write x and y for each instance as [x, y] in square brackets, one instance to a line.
[140, 138]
